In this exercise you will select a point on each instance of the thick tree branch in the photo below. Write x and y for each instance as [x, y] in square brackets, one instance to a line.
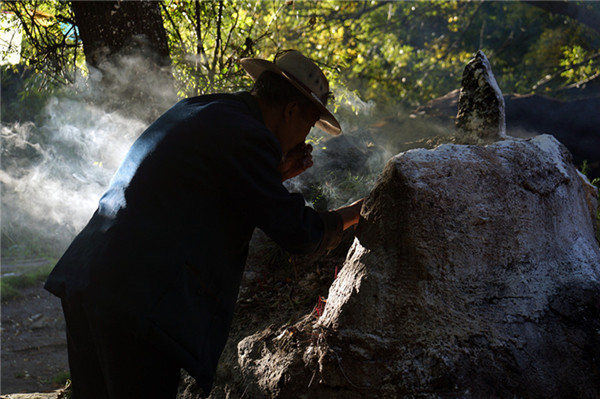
[577, 11]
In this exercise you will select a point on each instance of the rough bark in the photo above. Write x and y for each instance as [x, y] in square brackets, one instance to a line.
[127, 54]
[107, 27]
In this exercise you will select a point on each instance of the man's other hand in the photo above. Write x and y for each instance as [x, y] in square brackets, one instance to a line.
[351, 213]
[296, 161]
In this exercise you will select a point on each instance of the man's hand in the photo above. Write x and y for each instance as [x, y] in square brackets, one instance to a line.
[351, 213]
[296, 161]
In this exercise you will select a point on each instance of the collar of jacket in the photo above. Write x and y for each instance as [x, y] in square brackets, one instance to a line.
[252, 104]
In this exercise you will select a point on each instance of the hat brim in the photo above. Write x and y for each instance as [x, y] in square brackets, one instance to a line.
[256, 66]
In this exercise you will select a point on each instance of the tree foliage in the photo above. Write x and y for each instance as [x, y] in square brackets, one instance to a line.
[52, 45]
[206, 39]
[398, 52]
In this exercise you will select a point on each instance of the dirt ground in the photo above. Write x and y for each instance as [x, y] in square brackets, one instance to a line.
[276, 289]
[34, 348]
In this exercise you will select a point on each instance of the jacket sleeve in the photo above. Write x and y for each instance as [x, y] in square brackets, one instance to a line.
[333, 229]
[247, 172]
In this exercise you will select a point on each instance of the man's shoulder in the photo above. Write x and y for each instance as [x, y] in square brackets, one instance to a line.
[209, 98]
[241, 101]
[233, 119]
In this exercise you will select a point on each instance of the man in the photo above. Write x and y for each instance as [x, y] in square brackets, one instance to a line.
[149, 285]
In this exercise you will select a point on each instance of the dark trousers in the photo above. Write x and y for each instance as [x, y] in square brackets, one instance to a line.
[108, 362]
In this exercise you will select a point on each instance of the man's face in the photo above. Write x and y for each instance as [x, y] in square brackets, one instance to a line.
[302, 120]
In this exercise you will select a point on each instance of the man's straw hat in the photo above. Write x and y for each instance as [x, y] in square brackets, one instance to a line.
[305, 76]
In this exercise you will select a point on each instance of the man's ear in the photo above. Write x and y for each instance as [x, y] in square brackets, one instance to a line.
[289, 110]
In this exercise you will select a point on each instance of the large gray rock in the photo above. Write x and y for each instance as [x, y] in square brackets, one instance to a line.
[475, 273]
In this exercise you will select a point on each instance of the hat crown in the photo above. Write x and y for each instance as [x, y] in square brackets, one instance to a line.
[305, 72]
[305, 75]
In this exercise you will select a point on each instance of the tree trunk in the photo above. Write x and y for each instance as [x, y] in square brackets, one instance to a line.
[126, 42]
[107, 27]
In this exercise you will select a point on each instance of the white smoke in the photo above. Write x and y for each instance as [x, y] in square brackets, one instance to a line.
[346, 167]
[54, 172]
[53, 175]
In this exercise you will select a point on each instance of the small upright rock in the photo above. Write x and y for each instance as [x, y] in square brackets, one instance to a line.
[481, 116]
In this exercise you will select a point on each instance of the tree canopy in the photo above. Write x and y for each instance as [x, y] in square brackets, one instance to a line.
[399, 52]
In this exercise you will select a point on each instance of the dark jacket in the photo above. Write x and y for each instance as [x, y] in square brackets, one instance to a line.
[165, 250]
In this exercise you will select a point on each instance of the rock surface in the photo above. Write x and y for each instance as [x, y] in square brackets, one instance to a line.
[46, 395]
[474, 273]
[574, 122]
[481, 117]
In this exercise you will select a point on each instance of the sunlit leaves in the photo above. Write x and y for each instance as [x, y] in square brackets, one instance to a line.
[579, 65]
[50, 44]
[402, 52]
